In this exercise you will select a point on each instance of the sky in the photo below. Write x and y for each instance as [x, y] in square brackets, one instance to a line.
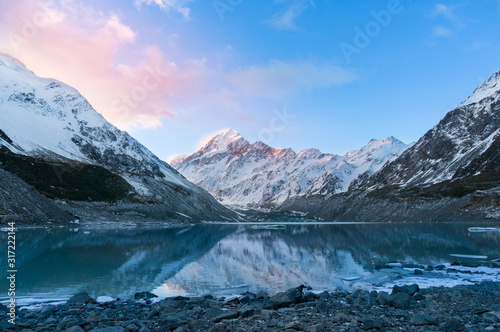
[325, 74]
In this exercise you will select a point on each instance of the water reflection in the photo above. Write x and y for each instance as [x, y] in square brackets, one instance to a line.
[227, 258]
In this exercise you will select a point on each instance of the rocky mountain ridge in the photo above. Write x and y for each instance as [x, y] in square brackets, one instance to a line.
[245, 175]
[452, 173]
[52, 138]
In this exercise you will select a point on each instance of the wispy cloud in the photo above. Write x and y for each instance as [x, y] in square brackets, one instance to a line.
[81, 47]
[449, 22]
[179, 6]
[445, 11]
[280, 79]
[285, 18]
[440, 31]
[478, 45]
[136, 85]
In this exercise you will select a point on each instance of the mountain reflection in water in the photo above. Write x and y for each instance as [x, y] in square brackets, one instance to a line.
[227, 258]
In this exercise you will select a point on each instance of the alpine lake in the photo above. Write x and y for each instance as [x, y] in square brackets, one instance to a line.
[228, 259]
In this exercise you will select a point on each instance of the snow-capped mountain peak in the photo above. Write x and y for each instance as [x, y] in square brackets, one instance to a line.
[487, 89]
[454, 145]
[309, 154]
[256, 175]
[224, 140]
[12, 63]
[178, 159]
[48, 120]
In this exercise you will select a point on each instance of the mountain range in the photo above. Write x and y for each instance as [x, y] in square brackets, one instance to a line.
[61, 161]
[257, 176]
[451, 173]
[70, 161]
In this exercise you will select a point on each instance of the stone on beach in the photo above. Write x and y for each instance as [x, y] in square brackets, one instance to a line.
[80, 299]
[291, 296]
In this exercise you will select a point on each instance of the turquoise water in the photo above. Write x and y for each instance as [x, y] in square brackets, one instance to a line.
[227, 259]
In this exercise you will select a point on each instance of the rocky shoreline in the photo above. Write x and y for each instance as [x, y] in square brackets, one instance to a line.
[407, 308]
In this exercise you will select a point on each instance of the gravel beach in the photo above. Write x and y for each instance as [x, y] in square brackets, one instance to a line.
[406, 308]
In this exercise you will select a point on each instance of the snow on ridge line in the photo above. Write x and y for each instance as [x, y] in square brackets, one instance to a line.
[251, 175]
[47, 118]
[487, 89]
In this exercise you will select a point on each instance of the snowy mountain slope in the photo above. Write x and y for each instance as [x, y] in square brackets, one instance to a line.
[356, 166]
[452, 173]
[48, 120]
[256, 175]
[462, 136]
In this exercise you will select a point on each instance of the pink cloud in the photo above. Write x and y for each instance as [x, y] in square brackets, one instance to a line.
[80, 47]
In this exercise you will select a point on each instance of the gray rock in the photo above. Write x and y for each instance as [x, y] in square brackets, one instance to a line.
[233, 301]
[372, 324]
[263, 295]
[80, 299]
[431, 305]
[358, 292]
[295, 325]
[144, 296]
[422, 319]
[453, 325]
[170, 323]
[400, 300]
[316, 328]
[214, 312]
[341, 318]
[6, 326]
[491, 317]
[324, 295]
[223, 327]
[74, 329]
[269, 313]
[310, 297]
[226, 315]
[196, 300]
[93, 319]
[182, 328]
[442, 297]
[408, 289]
[322, 307]
[363, 300]
[132, 328]
[383, 298]
[287, 311]
[109, 329]
[246, 312]
[245, 299]
[47, 310]
[50, 321]
[291, 296]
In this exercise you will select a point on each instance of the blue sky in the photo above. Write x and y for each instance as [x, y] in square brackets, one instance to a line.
[273, 70]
